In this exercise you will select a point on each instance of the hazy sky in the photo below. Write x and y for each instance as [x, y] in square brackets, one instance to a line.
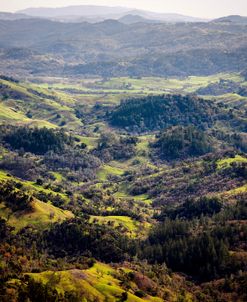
[200, 8]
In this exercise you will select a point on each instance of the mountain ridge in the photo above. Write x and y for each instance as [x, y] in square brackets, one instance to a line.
[107, 12]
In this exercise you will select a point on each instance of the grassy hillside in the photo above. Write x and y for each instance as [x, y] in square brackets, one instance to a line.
[105, 282]
[127, 225]
[92, 212]
[41, 216]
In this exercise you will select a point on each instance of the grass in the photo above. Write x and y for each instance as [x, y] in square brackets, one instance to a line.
[226, 162]
[143, 142]
[98, 283]
[49, 109]
[90, 141]
[58, 176]
[11, 115]
[4, 175]
[143, 198]
[56, 104]
[127, 224]
[109, 92]
[236, 191]
[107, 170]
[32, 186]
[122, 194]
[164, 85]
[42, 215]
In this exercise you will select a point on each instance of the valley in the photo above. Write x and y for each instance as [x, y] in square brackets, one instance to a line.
[123, 156]
[115, 180]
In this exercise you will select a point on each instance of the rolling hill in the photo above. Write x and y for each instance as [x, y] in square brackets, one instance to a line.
[123, 157]
[139, 49]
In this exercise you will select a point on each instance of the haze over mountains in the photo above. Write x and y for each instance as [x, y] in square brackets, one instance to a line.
[117, 41]
[111, 48]
[99, 13]
[94, 14]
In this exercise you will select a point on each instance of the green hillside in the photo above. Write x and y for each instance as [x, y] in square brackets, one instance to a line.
[122, 189]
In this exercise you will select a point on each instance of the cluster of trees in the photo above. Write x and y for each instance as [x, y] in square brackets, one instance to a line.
[12, 194]
[79, 237]
[236, 169]
[159, 112]
[114, 147]
[244, 74]
[203, 255]
[35, 140]
[186, 243]
[25, 167]
[34, 152]
[199, 251]
[192, 208]
[181, 142]
[73, 160]
[235, 140]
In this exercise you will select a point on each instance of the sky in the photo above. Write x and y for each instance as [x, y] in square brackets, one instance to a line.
[197, 8]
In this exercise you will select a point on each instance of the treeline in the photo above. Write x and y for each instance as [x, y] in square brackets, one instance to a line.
[219, 88]
[7, 78]
[194, 247]
[195, 238]
[198, 245]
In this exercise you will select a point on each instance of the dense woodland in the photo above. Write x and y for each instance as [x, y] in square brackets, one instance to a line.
[160, 112]
[179, 142]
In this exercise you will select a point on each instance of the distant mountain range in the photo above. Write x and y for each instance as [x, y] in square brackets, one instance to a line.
[100, 13]
[232, 19]
[116, 41]
[131, 19]
[13, 16]
[127, 48]
[95, 14]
